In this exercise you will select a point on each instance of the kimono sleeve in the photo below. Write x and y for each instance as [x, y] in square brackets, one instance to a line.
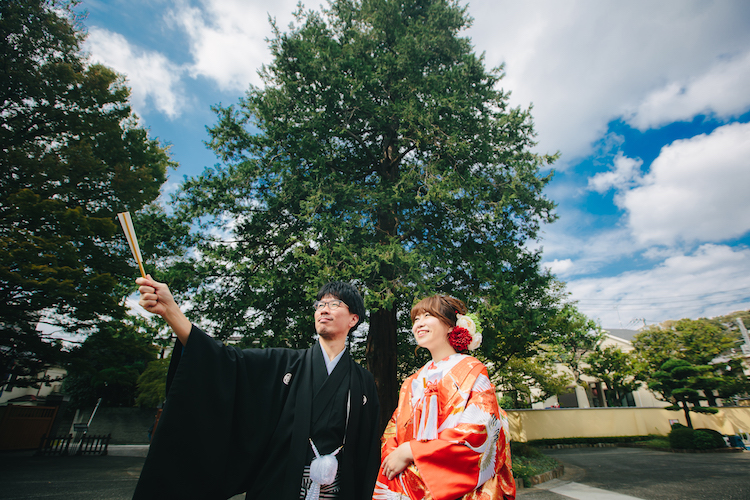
[389, 442]
[207, 443]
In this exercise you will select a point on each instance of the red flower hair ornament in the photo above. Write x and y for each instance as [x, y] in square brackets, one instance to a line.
[466, 335]
[459, 338]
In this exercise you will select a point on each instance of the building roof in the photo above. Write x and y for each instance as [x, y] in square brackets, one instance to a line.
[622, 333]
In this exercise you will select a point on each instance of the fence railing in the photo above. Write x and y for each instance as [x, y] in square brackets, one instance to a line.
[70, 446]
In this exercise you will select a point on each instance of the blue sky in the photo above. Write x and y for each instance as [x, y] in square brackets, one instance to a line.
[647, 102]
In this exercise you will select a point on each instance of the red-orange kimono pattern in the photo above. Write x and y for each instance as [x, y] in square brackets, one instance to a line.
[465, 451]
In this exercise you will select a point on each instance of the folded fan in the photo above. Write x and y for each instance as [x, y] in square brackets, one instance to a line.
[127, 226]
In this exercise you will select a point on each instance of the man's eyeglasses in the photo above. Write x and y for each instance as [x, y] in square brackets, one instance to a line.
[332, 304]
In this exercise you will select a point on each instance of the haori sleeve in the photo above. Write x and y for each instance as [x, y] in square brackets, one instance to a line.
[203, 446]
[470, 440]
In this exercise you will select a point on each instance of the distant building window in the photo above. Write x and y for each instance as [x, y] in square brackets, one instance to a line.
[568, 399]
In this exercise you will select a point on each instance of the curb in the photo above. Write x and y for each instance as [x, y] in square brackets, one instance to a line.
[127, 450]
[677, 450]
[555, 473]
[578, 445]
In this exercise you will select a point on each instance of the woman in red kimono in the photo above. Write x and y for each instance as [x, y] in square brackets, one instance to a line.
[447, 439]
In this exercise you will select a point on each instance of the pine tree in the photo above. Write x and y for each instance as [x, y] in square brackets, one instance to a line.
[381, 151]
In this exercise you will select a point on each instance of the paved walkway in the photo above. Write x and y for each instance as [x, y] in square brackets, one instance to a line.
[636, 473]
[590, 474]
[567, 487]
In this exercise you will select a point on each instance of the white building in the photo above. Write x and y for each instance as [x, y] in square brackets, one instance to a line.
[579, 398]
[32, 395]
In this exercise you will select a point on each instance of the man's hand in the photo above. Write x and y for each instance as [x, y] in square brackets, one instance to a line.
[157, 299]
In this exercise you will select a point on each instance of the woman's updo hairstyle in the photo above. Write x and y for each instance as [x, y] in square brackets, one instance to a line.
[443, 307]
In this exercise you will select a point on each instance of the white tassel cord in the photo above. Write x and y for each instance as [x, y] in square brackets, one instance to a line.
[322, 471]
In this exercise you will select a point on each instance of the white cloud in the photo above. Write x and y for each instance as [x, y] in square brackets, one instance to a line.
[626, 171]
[722, 91]
[587, 250]
[583, 64]
[559, 267]
[712, 281]
[696, 190]
[151, 77]
[227, 37]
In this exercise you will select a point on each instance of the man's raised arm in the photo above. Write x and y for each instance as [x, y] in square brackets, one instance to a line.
[157, 299]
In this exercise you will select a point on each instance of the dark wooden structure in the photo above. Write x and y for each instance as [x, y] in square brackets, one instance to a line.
[21, 426]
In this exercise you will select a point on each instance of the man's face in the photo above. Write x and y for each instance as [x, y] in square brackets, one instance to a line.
[334, 322]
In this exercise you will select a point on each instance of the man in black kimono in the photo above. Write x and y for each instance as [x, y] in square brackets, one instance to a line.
[243, 420]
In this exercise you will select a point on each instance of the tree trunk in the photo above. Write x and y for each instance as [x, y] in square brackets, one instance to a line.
[710, 397]
[686, 410]
[381, 360]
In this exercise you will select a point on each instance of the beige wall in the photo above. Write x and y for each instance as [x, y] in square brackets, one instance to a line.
[529, 425]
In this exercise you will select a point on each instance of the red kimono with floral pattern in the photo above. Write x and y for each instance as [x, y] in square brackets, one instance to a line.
[459, 436]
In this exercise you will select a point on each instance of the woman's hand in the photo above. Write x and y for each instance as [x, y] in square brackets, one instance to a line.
[398, 460]
[157, 299]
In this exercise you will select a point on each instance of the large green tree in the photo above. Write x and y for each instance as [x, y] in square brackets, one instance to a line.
[379, 150]
[699, 342]
[72, 156]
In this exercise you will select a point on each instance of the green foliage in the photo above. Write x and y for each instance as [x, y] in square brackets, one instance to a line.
[716, 438]
[529, 461]
[676, 381]
[575, 337]
[657, 442]
[615, 368]
[588, 440]
[379, 150]
[703, 441]
[681, 438]
[72, 157]
[697, 342]
[684, 438]
[107, 365]
[705, 409]
[733, 381]
[152, 384]
[524, 381]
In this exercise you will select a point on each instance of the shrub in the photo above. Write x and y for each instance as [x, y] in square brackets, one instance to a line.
[681, 438]
[588, 440]
[717, 438]
[703, 440]
[529, 461]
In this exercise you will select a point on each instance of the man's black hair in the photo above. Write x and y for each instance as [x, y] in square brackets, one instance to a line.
[349, 294]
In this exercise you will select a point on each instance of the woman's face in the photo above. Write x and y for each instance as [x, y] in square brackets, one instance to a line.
[430, 331]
